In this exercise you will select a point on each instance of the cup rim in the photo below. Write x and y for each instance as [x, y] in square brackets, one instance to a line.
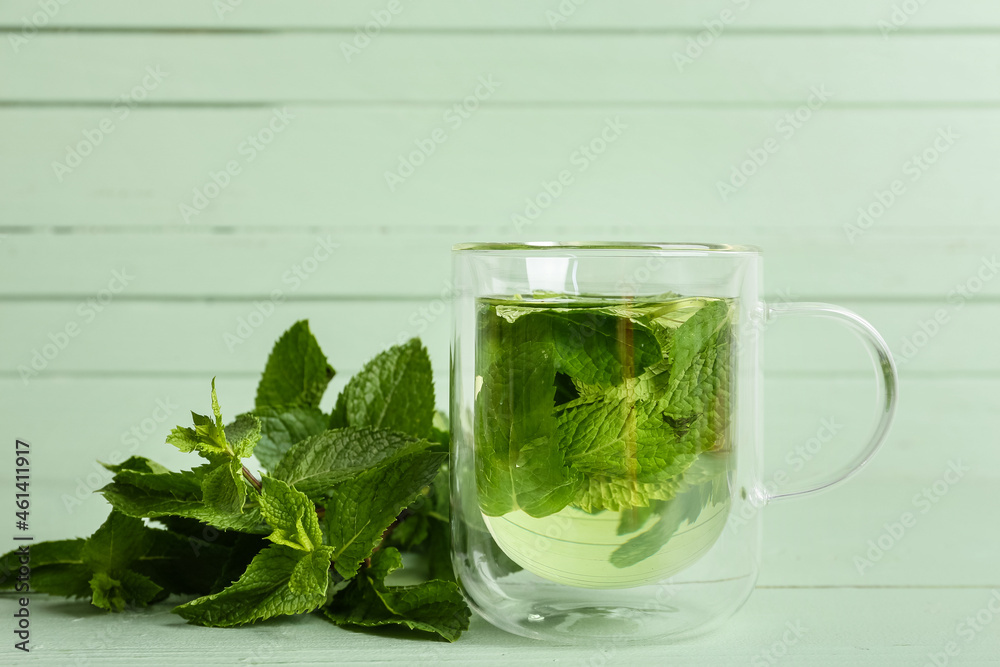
[543, 246]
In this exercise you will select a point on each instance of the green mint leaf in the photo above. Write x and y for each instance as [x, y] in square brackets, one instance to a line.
[359, 510]
[395, 390]
[57, 568]
[312, 573]
[664, 317]
[619, 494]
[119, 541]
[223, 489]
[699, 378]
[297, 372]
[137, 464]
[693, 339]
[647, 544]
[43, 554]
[627, 453]
[597, 348]
[633, 519]
[208, 436]
[280, 428]
[243, 435]
[264, 590]
[68, 580]
[291, 514]
[179, 484]
[145, 502]
[125, 589]
[704, 485]
[519, 464]
[318, 462]
[434, 606]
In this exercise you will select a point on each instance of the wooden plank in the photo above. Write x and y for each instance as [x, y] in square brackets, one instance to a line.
[811, 264]
[514, 14]
[235, 337]
[777, 70]
[669, 168]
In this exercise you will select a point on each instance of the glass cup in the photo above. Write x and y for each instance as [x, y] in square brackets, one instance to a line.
[606, 421]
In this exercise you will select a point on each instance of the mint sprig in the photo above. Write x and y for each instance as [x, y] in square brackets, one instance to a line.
[313, 532]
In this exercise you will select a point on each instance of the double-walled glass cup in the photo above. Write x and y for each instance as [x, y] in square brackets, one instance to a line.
[606, 422]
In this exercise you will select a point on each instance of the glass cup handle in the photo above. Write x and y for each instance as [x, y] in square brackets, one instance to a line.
[886, 376]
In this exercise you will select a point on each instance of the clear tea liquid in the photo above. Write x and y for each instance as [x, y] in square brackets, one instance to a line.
[602, 433]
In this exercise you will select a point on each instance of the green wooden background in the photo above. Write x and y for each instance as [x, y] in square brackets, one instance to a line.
[118, 114]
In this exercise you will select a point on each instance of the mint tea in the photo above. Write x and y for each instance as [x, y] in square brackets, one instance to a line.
[603, 433]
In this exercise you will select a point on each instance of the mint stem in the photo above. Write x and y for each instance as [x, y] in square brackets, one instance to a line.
[254, 482]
